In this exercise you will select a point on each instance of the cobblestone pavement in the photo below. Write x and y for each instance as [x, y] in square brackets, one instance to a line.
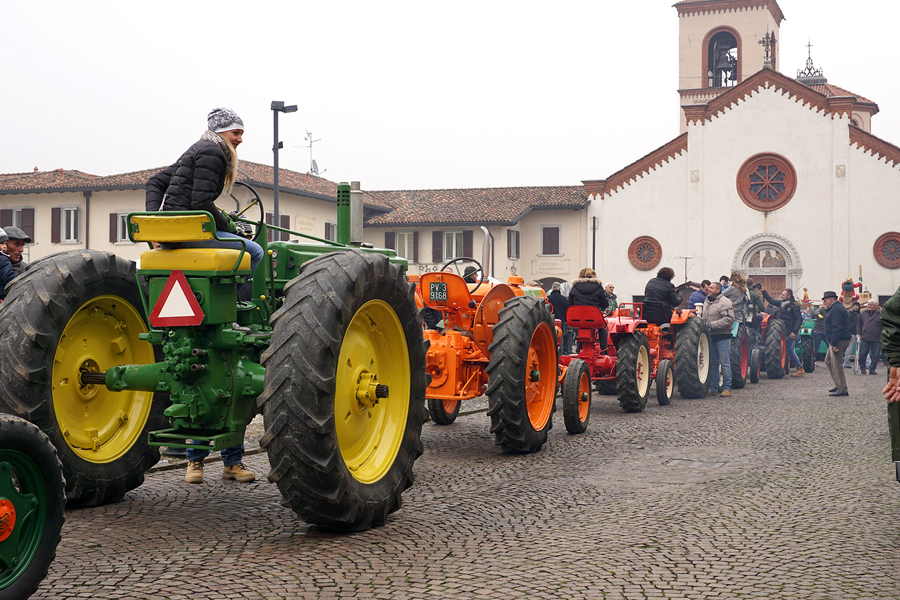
[777, 492]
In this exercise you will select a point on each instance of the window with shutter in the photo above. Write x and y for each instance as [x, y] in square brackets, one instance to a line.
[512, 244]
[285, 224]
[550, 240]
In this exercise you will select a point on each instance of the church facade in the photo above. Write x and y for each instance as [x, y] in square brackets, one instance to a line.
[776, 177]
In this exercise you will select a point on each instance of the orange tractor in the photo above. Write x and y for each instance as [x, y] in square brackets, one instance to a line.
[641, 349]
[497, 339]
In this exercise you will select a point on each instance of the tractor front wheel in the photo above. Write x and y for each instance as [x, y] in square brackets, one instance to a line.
[32, 506]
[692, 352]
[577, 396]
[344, 397]
[633, 372]
[775, 349]
[754, 366]
[522, 375]
[665, 382]
[740, 358]
[809, 355]
[73, 312]
[443, 412]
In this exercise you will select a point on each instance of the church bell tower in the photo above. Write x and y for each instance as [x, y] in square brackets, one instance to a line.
[721, 43]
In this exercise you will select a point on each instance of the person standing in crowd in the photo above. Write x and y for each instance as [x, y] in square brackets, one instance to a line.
[737, 293]
[560, 305]
[869, 330]
[719, 314]
[660, 289]
[837, 336]
[723, 281]
[890, 344]
[205, 171]
[7, 273]
[15, 246]
[699, 296]
[853, 347]
[613, 299]
[756, 300]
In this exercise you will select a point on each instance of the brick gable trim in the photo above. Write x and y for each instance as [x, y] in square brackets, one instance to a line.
[603, 187]
[876, 147]
[701, 7]
[770, 79]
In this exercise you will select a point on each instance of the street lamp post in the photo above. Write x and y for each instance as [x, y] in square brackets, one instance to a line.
[278, 107]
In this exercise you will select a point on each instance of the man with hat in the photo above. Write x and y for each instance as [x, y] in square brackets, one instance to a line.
[15, 246]
[837, 336]
[7, 273]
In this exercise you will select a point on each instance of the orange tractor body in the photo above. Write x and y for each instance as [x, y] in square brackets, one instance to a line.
[498, 340]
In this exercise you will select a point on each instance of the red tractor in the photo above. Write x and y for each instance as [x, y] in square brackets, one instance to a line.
[630, 349]
[497, 339]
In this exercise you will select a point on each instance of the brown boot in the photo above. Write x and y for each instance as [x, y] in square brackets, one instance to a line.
[194, 472]
[238, 472]
[800, 372]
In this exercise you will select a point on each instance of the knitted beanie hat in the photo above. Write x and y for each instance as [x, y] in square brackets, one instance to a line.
[223, 119]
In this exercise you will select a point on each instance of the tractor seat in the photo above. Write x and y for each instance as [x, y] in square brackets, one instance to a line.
[656, 313]
[218, 260]
[585, 317]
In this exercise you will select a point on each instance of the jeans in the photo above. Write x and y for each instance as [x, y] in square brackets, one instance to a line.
[872, 350]
[851, 350]
[720, 355]
[792, 351]
[254, 249]
[230, 456]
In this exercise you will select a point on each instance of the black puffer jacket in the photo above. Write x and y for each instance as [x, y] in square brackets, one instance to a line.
[192, 183]
[662, 291]
[588, 291]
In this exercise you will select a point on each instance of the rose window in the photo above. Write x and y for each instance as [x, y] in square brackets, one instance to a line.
[887, 250]
[766, 182]
[644, 253]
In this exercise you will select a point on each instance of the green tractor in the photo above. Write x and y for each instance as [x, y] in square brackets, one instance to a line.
[111, 362]
[32, 506]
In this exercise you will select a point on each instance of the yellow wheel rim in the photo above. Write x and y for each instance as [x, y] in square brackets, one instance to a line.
[97, 424]
[643, 371]
[540, 376]
[370, 435]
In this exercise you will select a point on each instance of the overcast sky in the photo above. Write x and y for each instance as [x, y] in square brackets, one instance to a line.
[402, 95]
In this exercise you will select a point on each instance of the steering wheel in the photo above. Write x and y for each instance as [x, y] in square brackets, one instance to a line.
[246, 199]
[480, 271]
[608, 310]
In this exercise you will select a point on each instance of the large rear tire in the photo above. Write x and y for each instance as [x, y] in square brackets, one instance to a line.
[692, 352]
[341, 451]
[522, 375]
[443, 412]
[75, 311]
[32, 506]
[633, 372]
[775, 349]
[606, 387]
[740, 358]
[809, 356]
[577, 396]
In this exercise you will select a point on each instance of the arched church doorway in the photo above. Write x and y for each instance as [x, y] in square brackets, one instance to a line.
[770, 260]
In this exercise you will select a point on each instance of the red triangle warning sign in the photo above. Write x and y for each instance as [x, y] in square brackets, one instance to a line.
[176, 305]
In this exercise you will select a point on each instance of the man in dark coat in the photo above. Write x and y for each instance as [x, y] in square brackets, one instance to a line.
[869, 330]
[560, 306]
[661, 289]
[837, 336]
[15, 246]
[852, 322]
